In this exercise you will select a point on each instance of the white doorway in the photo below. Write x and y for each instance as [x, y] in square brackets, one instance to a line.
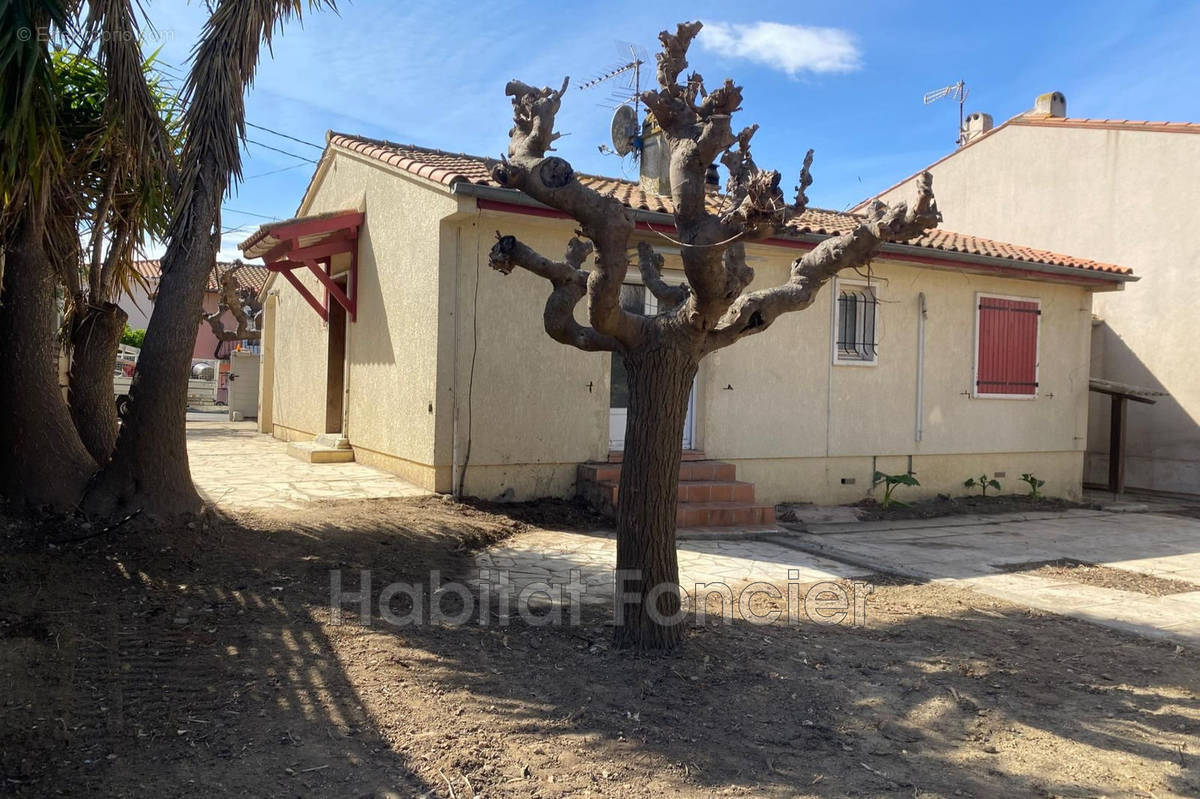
[637, 298]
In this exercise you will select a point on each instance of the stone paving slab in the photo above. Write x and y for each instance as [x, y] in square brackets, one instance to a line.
[547, 556]
[237, 468]
[973, 557]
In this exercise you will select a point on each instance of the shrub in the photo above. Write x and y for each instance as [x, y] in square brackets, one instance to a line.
[133, 338]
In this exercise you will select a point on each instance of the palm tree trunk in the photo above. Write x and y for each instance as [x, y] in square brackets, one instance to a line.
[95, 340]
[149, 467]
[648, 617]
[43, 462]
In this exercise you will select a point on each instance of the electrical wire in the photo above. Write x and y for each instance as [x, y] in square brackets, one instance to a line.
[278, 150]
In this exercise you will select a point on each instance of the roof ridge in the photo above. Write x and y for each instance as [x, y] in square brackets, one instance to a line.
[487, 159]
[815, 221]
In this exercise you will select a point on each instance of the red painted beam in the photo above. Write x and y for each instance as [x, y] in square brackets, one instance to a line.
[333, 288]
[304, 292]
[309, 227]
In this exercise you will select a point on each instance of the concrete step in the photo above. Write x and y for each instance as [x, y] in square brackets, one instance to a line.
[710, 496]
[616, 456]
[723, 514]
[312, 452]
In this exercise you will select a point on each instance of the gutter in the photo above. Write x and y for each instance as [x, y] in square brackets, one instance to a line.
[911, 251]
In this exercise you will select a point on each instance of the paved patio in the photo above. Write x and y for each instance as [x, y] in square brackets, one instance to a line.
[969, 552]
[237, 468]
[549, 557]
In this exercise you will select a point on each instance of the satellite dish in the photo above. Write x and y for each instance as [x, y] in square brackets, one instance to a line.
[624, 129]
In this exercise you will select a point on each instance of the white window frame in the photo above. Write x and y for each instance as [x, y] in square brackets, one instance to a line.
[874, 285]
[980, 296]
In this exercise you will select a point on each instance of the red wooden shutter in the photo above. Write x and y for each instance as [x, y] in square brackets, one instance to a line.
[1006, 362]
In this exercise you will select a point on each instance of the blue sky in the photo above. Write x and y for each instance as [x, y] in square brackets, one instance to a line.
[844, 79]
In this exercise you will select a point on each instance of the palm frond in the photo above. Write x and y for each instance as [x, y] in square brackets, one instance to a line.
[223, 66]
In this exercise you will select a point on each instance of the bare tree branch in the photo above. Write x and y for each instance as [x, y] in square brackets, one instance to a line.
[234, 299]
[551, 181]
[650, 264]
[570, 285]
[754, 312]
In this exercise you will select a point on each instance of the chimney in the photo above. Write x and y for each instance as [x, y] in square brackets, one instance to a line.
[976, 124]
[655, 175]
[1050, 104]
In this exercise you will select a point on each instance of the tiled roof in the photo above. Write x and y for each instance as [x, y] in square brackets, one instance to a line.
[250, 275]
[450, 168]
[1105, 124]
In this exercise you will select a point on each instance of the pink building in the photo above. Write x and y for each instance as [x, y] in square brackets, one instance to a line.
[140, 303]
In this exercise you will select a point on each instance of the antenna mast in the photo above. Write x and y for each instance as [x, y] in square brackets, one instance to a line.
[955, 91]
[624, 141]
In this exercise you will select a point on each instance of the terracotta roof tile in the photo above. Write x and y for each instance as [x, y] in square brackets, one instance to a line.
[250, 275]
[449, 168]
[1106, 124]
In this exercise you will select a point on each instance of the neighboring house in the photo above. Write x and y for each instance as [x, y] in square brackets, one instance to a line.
[391, 331]
[140, 303]
[1117, 191]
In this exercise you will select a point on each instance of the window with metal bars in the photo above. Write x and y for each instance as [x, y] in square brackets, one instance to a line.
[855, 324]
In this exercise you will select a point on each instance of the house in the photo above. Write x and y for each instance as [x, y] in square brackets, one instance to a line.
[1114, 190]
[384, 328]
[139, 303]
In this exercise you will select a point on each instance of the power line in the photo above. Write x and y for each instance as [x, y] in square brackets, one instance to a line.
[285, 152]
[274, 171]
[284, 135]
[250, 213]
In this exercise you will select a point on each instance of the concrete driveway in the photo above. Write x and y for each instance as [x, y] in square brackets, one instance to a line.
[237, 468]
[975, 555]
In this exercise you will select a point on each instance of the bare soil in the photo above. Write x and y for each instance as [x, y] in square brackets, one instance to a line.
[203, 662]
[1078, 571]
[945, 505]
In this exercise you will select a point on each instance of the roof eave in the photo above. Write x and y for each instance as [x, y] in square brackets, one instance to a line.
[514, 197]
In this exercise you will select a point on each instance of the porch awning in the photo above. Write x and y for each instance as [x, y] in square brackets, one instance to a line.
[310, 242]
[1125, 390]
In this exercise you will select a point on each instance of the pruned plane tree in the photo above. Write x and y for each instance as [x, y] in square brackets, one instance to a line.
[662, 351]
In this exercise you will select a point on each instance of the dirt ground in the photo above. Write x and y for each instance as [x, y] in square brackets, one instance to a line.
[945, 505]
[203, 662]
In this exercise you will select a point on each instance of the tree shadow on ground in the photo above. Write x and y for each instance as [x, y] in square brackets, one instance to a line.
[205, 660]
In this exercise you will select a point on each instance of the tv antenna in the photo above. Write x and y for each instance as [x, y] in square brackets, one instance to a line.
[955, 91]
[626, 121]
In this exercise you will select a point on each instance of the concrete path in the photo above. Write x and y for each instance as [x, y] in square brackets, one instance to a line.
[549, 557]
[972, 552]
[237, 468]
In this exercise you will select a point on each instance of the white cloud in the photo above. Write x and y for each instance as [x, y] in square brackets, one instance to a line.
[789, 48]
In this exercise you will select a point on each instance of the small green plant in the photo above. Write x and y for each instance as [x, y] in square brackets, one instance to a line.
[982, 482]
[891, 482]
[1034, 484]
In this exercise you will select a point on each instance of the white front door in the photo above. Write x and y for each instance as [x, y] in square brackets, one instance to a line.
[637, 298]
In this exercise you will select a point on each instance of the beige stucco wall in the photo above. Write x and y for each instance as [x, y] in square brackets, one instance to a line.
[449, 364]
[1120, 196]
[775, 404]
[532, 408]
[392, 347]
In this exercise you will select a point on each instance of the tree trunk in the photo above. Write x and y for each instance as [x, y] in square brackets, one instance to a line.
[43, 460]
[660, 380]
[94, 344]
[149, 467]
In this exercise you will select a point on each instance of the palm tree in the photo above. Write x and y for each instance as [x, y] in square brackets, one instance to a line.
[123, 162]
[44, 460]
[149, 467]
